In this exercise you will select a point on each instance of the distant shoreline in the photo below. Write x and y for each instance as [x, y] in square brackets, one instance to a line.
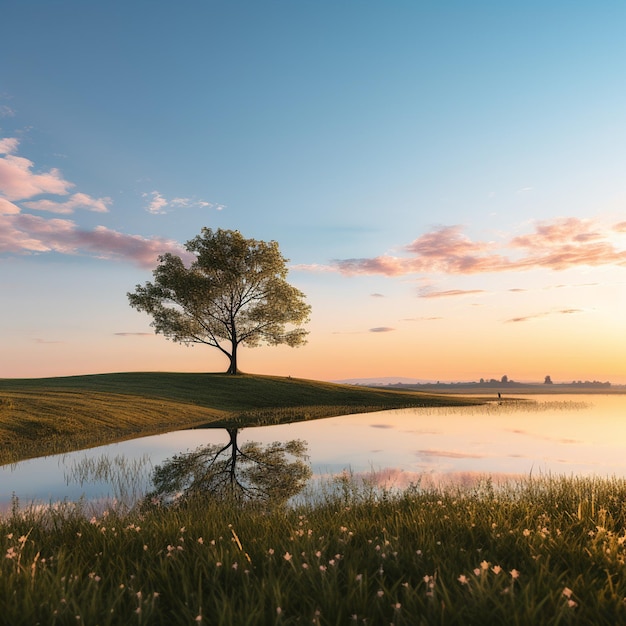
[510, 388]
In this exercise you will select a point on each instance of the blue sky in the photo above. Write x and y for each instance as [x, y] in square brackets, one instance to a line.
[446, 178]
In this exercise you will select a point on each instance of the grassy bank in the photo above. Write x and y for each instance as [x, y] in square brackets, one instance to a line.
[54, 415]
[546, 551]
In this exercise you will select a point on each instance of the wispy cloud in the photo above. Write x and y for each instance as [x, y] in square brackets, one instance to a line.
[558, 244]
[527, 318]
[450, 454]
[134, 334]
[381, 329]
[422, 319]
[6, 111]
[450, 293]
[159, 205]
[377, 295]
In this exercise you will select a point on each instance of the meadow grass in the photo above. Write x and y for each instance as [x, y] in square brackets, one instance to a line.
[45, 416]
[546, 550]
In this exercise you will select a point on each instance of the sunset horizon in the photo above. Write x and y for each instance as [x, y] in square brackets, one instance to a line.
[447, 183]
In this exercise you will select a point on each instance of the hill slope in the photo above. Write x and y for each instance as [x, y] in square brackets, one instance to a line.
[42, 416]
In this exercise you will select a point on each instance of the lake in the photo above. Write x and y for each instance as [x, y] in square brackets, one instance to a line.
[544, 434]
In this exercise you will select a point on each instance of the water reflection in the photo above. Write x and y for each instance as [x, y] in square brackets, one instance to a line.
[246, 473]
[126, 478]
[577, 434]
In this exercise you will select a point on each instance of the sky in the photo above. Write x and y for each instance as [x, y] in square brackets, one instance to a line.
[446, 178]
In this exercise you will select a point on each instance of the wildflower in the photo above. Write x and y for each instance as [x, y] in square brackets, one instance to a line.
[235, 565]
[496, 569]
[23, 539]
[145, 547]
[397, 606]
[323, 568]
[484, 565]
[514, 574]
[278, 610]
[572, 604]
[343, 529]
[526, 532]
[287, 556]
[200, 540]
[318, 554]
[93, 520]
[358, 578]
[567, 592]
[218, 564]
[270, 551]
[463, 579]
[380, 593]
[331, 562]
[305, 566]
[199, 618]
[477, 571]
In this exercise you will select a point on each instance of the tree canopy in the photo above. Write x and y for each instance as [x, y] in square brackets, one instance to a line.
[234, 293]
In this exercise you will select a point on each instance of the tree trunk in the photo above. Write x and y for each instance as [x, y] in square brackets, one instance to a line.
[232, 368]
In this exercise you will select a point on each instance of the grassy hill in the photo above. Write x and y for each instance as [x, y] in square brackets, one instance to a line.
[42, 416]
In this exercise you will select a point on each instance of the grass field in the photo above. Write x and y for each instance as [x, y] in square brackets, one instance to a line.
[539, 552]
[53, 415]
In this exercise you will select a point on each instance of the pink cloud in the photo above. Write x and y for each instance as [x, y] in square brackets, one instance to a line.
[19, 182]
[76, 201]
[559, 244]
[8, 208]
[25, 234]
[8, 145]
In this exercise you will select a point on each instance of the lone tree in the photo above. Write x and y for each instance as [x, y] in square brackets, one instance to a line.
[234, 293]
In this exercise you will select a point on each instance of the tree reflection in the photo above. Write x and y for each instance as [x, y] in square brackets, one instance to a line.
[250, 473]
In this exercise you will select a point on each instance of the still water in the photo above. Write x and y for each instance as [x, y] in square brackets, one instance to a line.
[550, 434]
